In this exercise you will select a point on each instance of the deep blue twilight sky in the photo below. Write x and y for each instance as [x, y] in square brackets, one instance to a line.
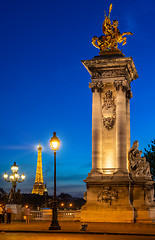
[44, 86]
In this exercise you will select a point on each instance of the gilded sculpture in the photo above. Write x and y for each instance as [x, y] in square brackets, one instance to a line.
[112, 36]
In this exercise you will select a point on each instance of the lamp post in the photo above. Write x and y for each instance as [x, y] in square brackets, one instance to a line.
[14, 177]
[54, 143]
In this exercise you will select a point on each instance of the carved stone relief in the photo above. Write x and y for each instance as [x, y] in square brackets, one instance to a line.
[99, 86]
[108, 110]
[125, 85]
[129, 94]
[107, 73]
[107, 195]
[149, 195]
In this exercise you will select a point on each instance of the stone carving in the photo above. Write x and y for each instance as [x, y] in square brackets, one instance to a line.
[14, 197]
[109, 122]
[109, 110]
[129, 94]
[150, 195]
[98, 86]
[138, 166]
[108, 73]
[107, 195]
[125, 85]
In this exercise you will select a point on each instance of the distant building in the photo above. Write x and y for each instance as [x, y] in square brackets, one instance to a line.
[39, 187]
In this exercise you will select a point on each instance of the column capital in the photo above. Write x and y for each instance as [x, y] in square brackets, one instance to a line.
[96, 85]
[129, 94]
[125, 85]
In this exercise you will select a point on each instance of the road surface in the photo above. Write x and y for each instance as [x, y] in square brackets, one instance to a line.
[70, 236]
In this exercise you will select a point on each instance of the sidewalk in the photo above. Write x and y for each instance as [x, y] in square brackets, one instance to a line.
[74, 227]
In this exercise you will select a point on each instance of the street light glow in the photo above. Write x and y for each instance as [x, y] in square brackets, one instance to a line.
[5, 175]
[11, 177]
[54, 142]
[14, 167]
[54, 145]
[23, 176]
[14, 177]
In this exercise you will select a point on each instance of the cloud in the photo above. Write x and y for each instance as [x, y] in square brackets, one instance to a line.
[16, 147]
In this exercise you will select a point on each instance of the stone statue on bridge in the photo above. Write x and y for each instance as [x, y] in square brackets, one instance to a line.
[138, 166]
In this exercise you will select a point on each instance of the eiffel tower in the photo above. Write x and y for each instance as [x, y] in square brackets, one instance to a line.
[39, 187]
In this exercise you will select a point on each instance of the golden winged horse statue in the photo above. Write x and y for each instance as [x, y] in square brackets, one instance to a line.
[112, 36]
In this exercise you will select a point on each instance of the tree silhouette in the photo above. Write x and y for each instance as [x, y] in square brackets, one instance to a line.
[149, 153]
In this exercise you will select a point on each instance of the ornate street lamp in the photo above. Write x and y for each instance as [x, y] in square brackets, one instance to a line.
[55, 144]
[14, 177]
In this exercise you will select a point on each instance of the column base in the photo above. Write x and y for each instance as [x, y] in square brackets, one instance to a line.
[142, 215]
[111, 215]
[55, 226]
[121, 172]
[108, 201]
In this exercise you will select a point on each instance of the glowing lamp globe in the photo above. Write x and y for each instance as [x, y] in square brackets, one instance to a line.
[22, 176]
[16, 175]
[11, 178]
[54, 142]
[5, 175]
[14, 168]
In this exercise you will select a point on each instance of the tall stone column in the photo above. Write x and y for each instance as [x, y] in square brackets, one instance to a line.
[108, 182]
[121, 128]
[128, 97]
[110, 82]
[96, 130]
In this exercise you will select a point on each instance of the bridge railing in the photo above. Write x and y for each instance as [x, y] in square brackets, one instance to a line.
[63, 215]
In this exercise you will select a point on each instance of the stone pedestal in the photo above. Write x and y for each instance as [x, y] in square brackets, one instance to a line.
[107, 201]
[141, 196]
[112, 196]
[17, 211]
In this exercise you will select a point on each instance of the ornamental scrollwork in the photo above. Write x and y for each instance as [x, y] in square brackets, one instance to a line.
[107, 195]
[108, 110]
[97, 85]
[125, 85]
[129, 94]
[108, 73]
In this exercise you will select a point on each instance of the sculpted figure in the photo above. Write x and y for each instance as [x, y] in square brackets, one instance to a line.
[117, 37]
[11, 196]
[150, 195]
[138, 166]
[112, 36]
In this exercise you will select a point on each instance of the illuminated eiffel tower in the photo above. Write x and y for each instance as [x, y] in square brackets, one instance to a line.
[39, 187]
